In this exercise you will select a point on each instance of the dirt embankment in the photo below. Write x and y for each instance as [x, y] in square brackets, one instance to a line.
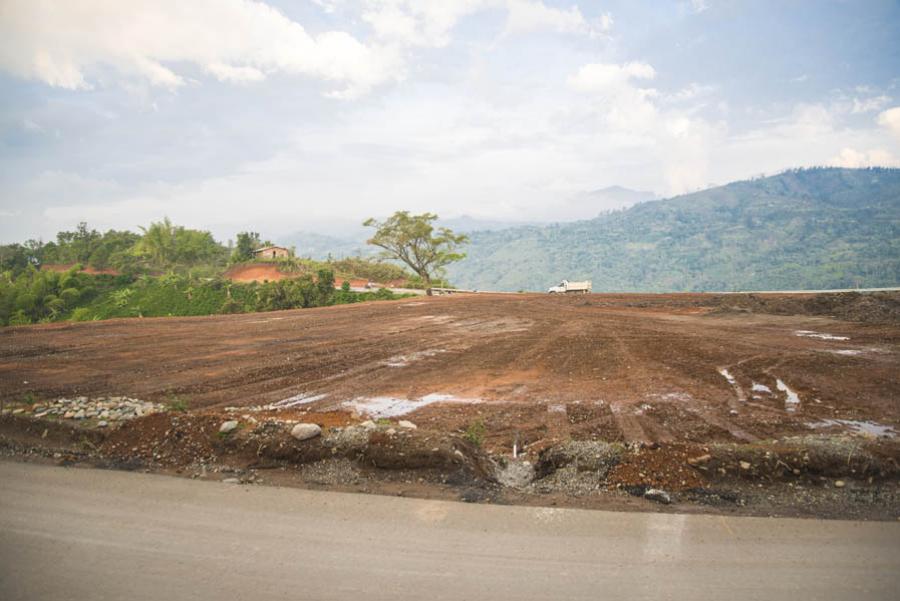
[870, 307]
[257, 272]
[63, 267]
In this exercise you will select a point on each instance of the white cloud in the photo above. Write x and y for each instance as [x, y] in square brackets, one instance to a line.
[699, 5]
[871, 104]
[891, 120]
[601, 77]
[235, 74]
[527, 15]
[430, 22]
[853, 159]
[64, 43]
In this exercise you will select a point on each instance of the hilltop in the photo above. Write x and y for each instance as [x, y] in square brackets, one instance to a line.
[801, 229]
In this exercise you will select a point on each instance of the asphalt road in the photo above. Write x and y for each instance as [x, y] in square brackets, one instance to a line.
[91, 534]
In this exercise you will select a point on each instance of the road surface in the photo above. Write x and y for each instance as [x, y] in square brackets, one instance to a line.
[91, 534]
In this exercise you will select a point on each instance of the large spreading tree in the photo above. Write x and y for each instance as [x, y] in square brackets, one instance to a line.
[415, 241]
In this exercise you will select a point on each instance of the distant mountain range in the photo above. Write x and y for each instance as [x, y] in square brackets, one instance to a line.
[802, 229]
[586, 204]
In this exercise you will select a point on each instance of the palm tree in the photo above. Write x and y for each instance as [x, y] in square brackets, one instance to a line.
[158, 242]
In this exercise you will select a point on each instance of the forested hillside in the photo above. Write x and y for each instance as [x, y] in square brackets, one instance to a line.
[803, 229]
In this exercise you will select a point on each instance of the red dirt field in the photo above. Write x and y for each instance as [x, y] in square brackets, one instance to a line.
[532, 368]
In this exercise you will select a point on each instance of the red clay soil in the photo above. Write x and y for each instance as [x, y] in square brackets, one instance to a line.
[257, 272]
[63, 267]
[536, 368]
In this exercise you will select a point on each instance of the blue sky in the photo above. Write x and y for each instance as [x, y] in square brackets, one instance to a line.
[284, 116]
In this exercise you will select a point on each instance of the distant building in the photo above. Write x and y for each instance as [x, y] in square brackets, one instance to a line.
[271, 252]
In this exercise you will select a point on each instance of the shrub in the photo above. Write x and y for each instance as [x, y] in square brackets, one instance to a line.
[81, 314]
[19, 318]
[475, 432]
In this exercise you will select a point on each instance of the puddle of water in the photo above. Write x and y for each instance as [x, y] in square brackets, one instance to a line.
[847, 352]
[821, 336]
[791, 398]
[556, 408]
[757, 387]
[298, 399]
[384, 406]
[868, 428]
[404, 360]
[727, 375]
[737, 387]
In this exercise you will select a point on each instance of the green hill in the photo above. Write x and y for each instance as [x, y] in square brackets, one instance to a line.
[804, 229]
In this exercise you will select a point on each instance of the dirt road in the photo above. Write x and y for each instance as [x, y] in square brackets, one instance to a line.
[610, 367]
[91, 534]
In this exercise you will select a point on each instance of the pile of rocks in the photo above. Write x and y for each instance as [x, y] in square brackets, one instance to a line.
[105, 410]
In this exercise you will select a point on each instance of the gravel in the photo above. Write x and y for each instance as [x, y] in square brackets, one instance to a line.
[112, 410]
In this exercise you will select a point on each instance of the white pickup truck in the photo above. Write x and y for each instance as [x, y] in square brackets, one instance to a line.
[567, 287]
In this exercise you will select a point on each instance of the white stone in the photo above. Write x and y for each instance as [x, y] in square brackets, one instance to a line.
[228, 426]
[305, 431]
[407, 424]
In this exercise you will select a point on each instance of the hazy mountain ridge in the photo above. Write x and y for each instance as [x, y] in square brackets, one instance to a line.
[812, 228]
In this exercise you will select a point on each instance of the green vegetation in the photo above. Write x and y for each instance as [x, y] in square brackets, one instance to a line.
[804, 229]
[412, 240]
[44, 296]
[169, 270]
[177, 404]
[475, 432]
[247, 242]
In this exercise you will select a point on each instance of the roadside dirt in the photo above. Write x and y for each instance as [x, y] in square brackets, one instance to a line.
[668, 378]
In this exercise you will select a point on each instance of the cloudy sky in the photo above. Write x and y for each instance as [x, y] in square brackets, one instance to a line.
[292, 115]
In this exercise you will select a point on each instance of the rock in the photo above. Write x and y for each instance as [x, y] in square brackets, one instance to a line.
[390, 431]
[839, 484]
[699, 460]
[228, 427]
[79, 414]
[658, 495]
[745, 465]
[102, 423]
[368, 425]
[68, 415]
[231, 481]
[305, 431]
[406, 424]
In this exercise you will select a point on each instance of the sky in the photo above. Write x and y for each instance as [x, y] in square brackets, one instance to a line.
[285, 116]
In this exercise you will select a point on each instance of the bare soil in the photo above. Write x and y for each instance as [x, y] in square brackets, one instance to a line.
[257, 272]
[669, 378]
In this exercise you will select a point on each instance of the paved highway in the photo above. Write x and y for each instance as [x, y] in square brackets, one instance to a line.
[91, 534]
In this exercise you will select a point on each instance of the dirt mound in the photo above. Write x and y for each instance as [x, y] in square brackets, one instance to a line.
[257, 272]
[870, 307]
